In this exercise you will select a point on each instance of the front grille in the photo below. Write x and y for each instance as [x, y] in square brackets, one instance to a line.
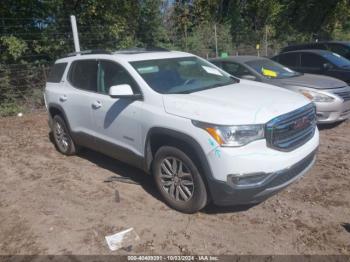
[291, 130]
[343, 94]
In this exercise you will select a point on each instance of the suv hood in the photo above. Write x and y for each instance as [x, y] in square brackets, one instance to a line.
[247, 102]
[309, 80]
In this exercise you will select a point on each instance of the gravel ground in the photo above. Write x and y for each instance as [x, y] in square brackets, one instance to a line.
[53, 204]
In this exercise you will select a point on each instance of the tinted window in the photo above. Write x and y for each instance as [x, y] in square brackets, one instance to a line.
[235, 69]
[342, 50]
[56, 72]
[83, 75]
[312, 61]
[217, 63]
[181, 75]
[289, 59]
[111, 74]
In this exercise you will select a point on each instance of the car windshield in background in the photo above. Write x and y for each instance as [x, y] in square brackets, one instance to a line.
[181, 75]
[271, 69]
[337, 59]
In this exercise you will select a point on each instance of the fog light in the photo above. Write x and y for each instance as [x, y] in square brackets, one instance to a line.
[246, 180]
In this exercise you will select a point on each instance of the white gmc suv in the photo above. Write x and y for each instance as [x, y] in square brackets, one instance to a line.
[203, 135]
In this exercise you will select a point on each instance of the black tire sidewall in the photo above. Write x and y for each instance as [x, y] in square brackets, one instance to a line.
[71, 147]
[199, 197]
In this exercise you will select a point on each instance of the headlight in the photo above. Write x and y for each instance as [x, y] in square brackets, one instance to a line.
[316, 96]
[233, 135]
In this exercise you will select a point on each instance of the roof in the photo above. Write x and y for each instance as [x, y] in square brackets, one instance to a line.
[239, 59]
[128, 56]
[314, 51]
[321, 42]
[150, 55]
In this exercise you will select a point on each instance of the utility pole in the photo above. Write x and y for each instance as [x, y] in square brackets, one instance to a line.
[216, 41]
[73, 22]
[266, 44]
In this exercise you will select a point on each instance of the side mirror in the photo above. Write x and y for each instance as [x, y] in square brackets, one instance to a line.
[327, 66]
[248, 77]
[122, 91]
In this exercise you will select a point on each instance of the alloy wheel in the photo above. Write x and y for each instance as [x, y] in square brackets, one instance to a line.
[176, 179]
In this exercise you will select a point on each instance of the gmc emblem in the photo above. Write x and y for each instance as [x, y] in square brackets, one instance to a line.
[301, 123]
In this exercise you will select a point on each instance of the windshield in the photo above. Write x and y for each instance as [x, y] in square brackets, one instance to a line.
[337, 59]
[271, 69]
[181, 75]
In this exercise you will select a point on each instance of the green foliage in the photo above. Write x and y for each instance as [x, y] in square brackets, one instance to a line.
[34, 33]
[8, 108]
[15, 46]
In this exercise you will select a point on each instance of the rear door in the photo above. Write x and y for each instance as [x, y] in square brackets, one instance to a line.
[79, 93]
[116, 119]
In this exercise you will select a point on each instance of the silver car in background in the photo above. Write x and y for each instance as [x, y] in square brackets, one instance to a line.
[331, 96]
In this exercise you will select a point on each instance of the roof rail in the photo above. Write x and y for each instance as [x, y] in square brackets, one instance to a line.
[90, 52]
[141, 50]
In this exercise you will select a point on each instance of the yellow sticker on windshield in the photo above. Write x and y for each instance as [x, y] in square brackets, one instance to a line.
[268, 72]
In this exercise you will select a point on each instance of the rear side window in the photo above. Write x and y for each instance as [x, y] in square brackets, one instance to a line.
[56, 72]
[290, 60]
[83, 75]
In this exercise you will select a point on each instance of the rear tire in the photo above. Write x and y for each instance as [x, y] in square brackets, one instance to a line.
[62, 138]
[178, 180]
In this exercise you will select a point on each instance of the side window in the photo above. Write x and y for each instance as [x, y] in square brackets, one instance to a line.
[217, 63]
[311, 61]
[235, 69]
[339, 49]
[290, 60]
[56, 73]
[111, 74]
[83, 75]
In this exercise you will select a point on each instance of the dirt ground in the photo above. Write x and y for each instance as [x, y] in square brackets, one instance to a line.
[53, 204]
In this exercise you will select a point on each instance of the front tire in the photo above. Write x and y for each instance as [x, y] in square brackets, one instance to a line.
[178, 180]
[63, 140]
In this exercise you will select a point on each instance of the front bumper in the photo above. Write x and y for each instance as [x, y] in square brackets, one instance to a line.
[336, 111]
[226, 193]
[279, 169]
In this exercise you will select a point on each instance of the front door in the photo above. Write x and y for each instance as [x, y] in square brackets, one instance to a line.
[116, 119]
[312, 63]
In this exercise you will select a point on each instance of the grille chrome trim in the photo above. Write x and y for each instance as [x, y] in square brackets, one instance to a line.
[291, 130]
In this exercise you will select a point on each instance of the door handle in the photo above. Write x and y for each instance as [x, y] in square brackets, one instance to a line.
[63, 98]
[96, 105]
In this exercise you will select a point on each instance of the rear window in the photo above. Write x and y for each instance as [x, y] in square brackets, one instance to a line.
[56, 72]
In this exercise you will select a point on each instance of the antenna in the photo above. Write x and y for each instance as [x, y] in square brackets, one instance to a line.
[73, 22]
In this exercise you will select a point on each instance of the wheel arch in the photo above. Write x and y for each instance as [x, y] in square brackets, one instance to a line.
[158, 136]
[56, 109]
